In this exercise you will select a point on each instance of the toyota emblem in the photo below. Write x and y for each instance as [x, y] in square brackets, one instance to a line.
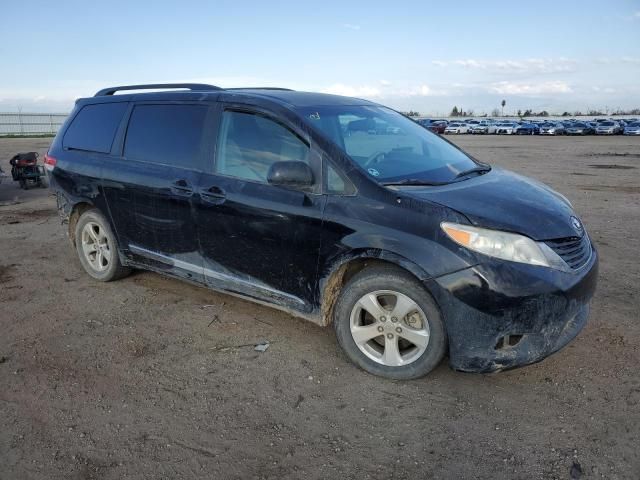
[577, 224]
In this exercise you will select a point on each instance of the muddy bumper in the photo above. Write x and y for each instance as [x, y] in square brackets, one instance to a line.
[503, 315]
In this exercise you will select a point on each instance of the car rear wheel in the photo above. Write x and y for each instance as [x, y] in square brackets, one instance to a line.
[389, 325]
[97, 248]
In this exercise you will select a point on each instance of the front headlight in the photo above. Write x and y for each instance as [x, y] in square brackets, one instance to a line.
[504, 245]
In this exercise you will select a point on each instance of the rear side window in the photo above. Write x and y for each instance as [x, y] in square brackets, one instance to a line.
[166, 134]
[94, 127]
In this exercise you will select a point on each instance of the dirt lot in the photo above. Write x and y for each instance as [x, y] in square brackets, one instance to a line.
[147, 377]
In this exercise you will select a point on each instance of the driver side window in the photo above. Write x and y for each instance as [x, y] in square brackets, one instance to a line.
[249, 143]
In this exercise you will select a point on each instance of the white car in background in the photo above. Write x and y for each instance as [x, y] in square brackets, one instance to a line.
[481, 127]
[506, 128]
[457, 128]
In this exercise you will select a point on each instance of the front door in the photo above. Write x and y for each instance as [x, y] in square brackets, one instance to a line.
[258, 239]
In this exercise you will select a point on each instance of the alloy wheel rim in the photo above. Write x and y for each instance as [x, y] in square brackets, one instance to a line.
[389, 328]
[95, 246]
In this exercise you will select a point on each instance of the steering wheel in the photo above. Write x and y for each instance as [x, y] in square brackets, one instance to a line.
[374, 158]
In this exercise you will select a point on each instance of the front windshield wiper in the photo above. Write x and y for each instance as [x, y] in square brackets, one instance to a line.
[480, 169]
[412, 182]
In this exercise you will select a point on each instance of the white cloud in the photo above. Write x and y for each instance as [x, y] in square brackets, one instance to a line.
[631, 60]
[595, 88]
[353, 91]
[369, 91]
[351, 26]
[527, 65]
[420, 91]
[385, 83]
[541, 88]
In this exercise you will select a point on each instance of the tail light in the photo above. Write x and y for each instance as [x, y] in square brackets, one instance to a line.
[49, 162]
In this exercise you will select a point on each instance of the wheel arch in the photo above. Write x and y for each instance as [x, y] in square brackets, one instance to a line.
[345, 267]
[75, 213]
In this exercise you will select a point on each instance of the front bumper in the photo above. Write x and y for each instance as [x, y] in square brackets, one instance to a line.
[502, 315]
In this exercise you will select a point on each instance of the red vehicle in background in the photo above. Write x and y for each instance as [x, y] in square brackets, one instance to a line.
[436, 126]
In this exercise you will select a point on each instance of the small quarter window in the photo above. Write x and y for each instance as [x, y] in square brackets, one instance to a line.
[336, 183]
[94, 127]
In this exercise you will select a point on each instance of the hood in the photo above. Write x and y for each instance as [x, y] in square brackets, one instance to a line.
[503, 200]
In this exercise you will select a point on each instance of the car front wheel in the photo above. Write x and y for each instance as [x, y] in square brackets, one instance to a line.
[389, 325]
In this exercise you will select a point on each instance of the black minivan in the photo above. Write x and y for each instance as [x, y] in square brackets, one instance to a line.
[335, 209]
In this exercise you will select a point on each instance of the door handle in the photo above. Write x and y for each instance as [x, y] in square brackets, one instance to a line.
[182, 187]
[213, 194]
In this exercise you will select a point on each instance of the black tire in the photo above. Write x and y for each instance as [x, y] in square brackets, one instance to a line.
[377, 278]
[114, 269]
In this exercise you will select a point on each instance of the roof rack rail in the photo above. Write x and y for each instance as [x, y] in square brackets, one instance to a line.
[261, 88]
[189, 86]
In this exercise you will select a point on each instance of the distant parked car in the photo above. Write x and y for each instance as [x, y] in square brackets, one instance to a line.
[506, 128]
[438, 126]
[481, 128]
[527, 129]
[457, 128]
[632, 129]
[580, 128]
[552, 129]
[608, 128]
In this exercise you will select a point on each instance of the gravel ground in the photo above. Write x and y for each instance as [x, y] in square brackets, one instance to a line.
[149, 377]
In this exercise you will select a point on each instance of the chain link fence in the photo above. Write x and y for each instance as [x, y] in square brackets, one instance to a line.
[19, 124]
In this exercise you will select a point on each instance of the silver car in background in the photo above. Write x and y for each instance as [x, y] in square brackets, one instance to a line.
[632, 129]
[608, 128]
[552, 129]
[506, 128]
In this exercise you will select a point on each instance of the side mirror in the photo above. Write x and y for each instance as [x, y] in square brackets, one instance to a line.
[290, 174]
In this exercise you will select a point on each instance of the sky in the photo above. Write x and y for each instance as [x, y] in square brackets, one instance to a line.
[421, 55]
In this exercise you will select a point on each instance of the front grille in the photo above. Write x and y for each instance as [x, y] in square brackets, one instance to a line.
[574, 251]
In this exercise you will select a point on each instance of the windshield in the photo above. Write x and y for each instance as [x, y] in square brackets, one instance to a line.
[389, 146]
[607, 124]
